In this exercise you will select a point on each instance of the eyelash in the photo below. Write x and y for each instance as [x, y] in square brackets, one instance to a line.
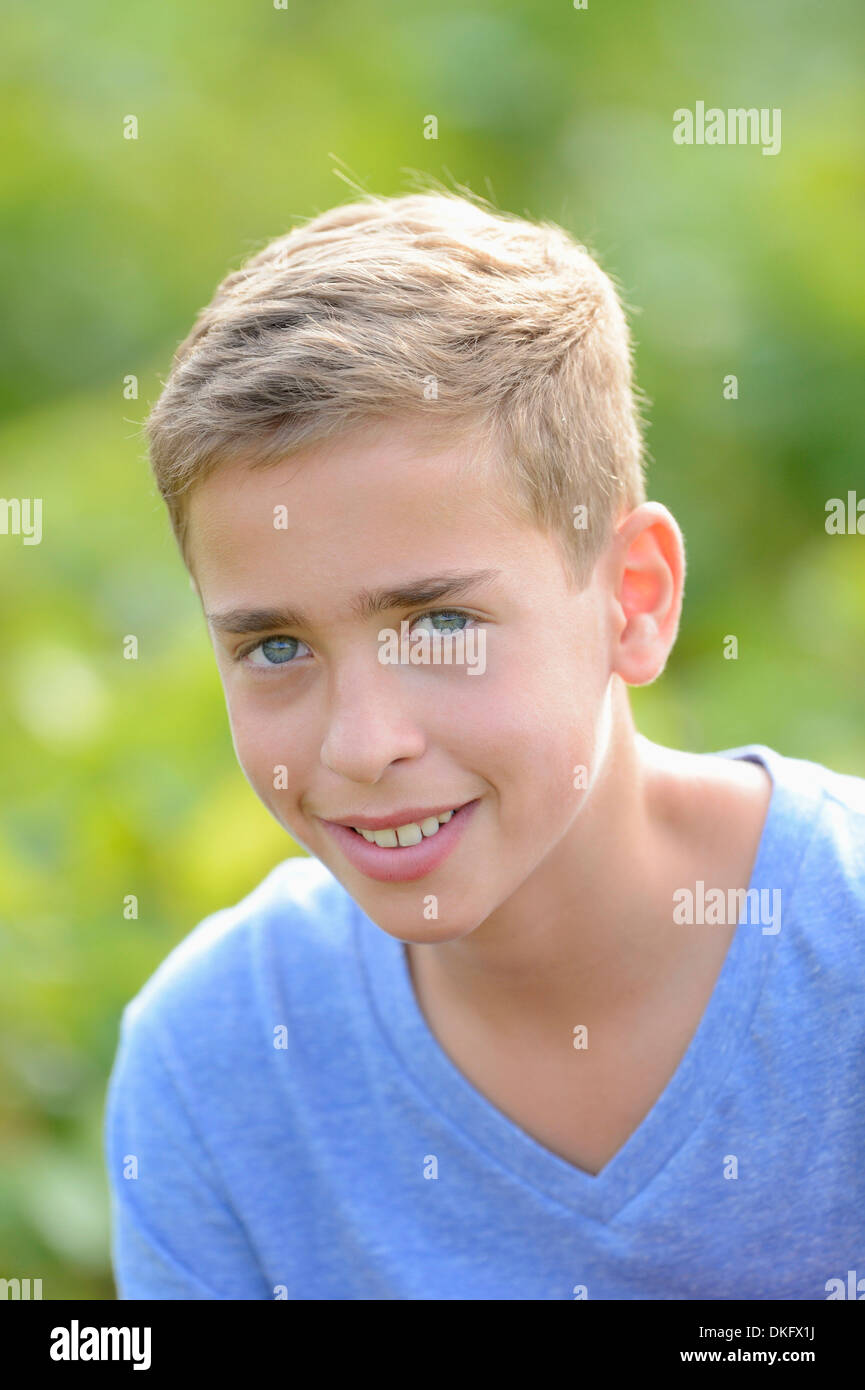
[241, 656]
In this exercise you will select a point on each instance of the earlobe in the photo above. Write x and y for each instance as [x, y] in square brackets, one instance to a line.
[649, 593]
[642, 652]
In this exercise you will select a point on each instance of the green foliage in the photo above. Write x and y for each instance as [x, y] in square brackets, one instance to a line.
[120, 776]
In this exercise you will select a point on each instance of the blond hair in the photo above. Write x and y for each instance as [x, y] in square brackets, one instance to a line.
[431, 305]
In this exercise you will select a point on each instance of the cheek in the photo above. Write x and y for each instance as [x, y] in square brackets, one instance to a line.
[543, 732]
[525, 740]
[257, 741]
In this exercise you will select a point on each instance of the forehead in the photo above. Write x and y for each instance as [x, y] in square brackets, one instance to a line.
[374, 505]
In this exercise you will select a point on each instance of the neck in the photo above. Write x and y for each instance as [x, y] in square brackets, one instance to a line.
[593, 923]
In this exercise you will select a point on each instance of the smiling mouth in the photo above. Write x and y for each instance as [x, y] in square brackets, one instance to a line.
[403, 852]
[404, 836]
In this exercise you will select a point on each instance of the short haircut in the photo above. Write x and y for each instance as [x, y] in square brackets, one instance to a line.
[431, 306]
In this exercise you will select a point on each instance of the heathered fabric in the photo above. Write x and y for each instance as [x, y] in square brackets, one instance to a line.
[298, 1132]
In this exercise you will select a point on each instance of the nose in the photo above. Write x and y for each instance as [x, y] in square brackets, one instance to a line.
[370, 724]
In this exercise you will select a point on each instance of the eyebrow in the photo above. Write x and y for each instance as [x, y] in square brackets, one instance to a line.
[367, 603]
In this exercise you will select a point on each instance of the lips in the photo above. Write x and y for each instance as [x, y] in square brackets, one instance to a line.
[409, 816]
[401, 863]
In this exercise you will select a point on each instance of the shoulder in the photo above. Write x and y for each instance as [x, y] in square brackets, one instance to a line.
[819, 830]
[835, 803]
[294, 926]
[837, 798]
[810, 785]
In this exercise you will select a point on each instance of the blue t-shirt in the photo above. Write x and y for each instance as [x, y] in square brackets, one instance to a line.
[282, 1123]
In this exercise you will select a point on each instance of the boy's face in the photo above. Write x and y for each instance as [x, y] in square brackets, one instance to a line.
[359, 738]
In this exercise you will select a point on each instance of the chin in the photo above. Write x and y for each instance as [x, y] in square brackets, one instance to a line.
[423, 933]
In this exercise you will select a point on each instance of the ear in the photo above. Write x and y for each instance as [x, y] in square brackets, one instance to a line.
[648, 573]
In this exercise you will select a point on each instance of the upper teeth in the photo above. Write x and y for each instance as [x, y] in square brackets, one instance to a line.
[410, 834]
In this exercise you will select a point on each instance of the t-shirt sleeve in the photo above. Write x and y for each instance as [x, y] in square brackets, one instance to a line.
[173, 1232]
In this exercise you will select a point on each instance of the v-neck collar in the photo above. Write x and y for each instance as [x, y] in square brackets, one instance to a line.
[691, 1091]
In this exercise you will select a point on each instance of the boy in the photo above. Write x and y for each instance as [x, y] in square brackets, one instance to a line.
[549, 1011]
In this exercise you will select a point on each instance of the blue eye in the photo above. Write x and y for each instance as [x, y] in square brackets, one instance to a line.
[276, 651]
[281, 650]
[449, 615]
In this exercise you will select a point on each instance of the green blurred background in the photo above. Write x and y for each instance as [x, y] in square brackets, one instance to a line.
[119, 776]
